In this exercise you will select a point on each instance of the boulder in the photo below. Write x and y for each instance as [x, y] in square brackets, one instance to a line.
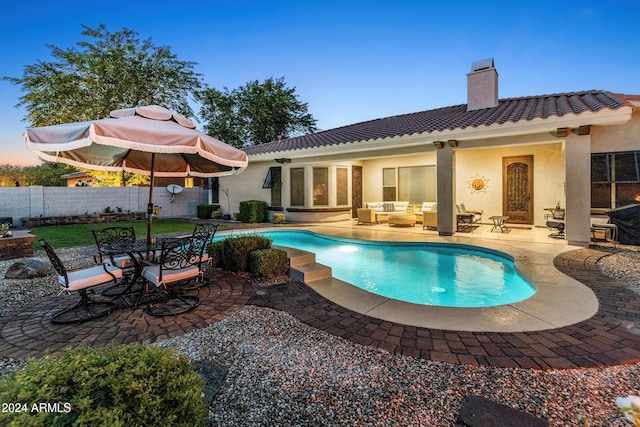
[28, 268]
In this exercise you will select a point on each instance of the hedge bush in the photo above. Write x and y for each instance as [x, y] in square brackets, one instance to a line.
[110, 386]
[215, 253]
[268, 262]
[278, 218]
[253, 211]
[235, 250]
[205, 211]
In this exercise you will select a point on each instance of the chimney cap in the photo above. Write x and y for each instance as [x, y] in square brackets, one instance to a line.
[483, 64]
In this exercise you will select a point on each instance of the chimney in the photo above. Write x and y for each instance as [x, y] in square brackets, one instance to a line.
[482, 85]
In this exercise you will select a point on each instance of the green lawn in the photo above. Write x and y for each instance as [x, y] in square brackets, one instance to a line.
[65, 236]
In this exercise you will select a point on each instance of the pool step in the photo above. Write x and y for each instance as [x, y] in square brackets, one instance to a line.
[303, 265]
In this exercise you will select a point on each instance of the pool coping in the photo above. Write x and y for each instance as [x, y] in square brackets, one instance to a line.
[559, 299]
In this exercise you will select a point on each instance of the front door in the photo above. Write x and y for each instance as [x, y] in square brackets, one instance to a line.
[517, 189]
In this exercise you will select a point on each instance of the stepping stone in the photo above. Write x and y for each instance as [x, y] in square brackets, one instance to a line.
[478, 411]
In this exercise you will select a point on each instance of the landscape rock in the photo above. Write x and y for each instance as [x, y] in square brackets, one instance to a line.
[28, 268]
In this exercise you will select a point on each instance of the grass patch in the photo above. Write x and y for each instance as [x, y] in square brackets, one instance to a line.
[66, 236]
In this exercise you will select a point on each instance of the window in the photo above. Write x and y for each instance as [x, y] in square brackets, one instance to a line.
[342, 186]
[389, 184]
[320, 186]
[615, 179]
[274, 182]
[297, 186]
[417, 184]
[273, 176]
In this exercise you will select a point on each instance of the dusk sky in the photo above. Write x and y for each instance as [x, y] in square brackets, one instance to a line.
[351, 61]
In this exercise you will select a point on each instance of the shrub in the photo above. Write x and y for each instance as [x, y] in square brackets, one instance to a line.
[205, 211]
[125, 385]
[278, 218]
[268, 262]
[215, 253]
[216, 215]
[235, 250]
[253, 211]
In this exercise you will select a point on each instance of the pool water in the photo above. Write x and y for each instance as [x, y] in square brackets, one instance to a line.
[446, 275]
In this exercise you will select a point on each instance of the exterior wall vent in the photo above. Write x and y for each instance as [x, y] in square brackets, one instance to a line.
[482, 85]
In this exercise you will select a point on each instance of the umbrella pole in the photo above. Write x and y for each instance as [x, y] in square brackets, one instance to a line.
[150, 204]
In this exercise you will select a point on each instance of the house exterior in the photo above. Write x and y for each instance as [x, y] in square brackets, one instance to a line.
[514, 157]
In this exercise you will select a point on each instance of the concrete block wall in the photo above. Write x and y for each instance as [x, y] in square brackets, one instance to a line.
[19, 202]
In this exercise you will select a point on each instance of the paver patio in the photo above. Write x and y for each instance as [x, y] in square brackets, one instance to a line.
[611, 337]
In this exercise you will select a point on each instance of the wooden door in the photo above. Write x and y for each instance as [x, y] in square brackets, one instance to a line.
[356, 190]
[517, 189]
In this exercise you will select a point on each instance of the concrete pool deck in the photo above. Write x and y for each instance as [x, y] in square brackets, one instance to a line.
[559, 299]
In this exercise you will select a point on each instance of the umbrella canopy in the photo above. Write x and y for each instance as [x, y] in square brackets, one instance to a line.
[149, 140]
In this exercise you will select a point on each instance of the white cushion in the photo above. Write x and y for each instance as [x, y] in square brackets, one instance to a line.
[89, 277]
[400, 206]
[429, 206]
[152, 274]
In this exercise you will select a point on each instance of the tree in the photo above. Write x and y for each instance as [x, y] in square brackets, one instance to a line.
[106, 72]
[117, 179]
[47, 174]
[10, 174]
[255, 113]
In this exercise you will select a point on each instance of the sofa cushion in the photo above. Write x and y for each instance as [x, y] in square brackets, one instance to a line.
[429, 206]
[400, 206]
[377, 206]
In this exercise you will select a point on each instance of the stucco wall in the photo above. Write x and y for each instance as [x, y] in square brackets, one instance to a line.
[548, 177]
[617, 138]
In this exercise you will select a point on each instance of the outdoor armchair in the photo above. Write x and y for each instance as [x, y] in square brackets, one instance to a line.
[109, 236]
[80, 281]
[366, 216]
[180, 262]
[466, 219]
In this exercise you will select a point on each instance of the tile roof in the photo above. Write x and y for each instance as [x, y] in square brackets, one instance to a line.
[450, 118]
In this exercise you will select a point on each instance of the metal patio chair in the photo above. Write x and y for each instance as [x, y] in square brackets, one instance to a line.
[81, 281]
[180, 263]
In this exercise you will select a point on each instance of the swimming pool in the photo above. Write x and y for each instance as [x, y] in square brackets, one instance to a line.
[432, 274]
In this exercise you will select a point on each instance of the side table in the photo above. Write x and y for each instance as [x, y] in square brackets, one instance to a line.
[498, 222]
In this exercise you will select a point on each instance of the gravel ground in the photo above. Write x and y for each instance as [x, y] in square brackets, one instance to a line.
[283, 372]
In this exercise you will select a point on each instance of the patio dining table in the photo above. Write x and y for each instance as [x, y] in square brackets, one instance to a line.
[140, 251]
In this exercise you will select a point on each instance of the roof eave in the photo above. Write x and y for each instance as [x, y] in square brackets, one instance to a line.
[600, 118]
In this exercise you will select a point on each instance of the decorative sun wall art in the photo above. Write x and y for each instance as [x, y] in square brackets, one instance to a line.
[478, 184]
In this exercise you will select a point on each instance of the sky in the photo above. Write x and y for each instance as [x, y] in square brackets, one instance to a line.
[351, 61]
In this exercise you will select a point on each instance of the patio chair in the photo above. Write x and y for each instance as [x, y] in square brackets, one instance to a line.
[208, 231]
[555, 221]
[366, 216]
[111, 235]
[467, 219]
[80, 281]
[127, 262]
[180, 262]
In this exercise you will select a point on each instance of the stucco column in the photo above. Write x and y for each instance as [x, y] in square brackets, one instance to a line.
[445, 173]
[308, 186]
[578, 189]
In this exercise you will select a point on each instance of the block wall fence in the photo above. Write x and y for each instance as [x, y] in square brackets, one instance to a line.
[35, 201]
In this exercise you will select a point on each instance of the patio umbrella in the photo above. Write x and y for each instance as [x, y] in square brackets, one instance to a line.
[149, 140]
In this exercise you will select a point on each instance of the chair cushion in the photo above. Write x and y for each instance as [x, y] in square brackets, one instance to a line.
[121, 261]
[152, 274]
[88, 277]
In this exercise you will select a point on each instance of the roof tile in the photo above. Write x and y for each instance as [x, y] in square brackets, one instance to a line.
[450, 118]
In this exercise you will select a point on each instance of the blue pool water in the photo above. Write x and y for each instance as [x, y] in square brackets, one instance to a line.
[443, 275]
